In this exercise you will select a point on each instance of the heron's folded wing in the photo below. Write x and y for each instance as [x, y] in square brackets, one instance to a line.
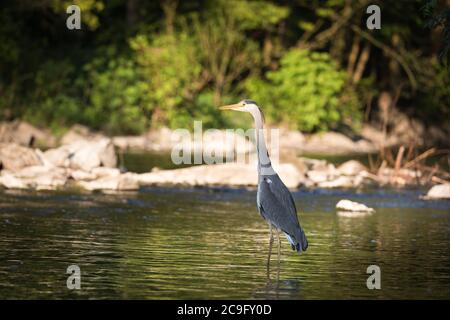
[277, 204]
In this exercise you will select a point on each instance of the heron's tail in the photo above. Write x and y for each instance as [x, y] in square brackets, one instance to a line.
[298, 242]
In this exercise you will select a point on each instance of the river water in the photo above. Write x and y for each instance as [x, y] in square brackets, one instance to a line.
[211, 243]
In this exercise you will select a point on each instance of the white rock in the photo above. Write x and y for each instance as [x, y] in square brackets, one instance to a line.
[58, 157]
[80, 133]
[10, 181]
[35, 177]
[314, 164]
[347, 205]
[351, 168]
[291, 139]
[78, 175]
[86, 155]
[340, 182]
[83, 154]
[328, 142]
[15, 157]
[105, 172]
[317, 176]
[440, 191]
[229, 174]
[49, 182]
[335, 143]
[36, 171]
[126, 181]
[353, 214]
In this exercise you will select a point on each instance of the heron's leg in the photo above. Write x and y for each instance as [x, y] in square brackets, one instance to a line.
[270, 246]
[279, 246]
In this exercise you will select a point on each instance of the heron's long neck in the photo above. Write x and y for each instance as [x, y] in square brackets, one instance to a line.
[264, 165]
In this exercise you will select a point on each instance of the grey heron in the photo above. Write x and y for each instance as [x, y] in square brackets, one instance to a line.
[274, 200]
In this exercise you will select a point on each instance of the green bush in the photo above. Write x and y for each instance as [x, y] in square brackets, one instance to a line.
[117, 96]
[308, 92]
[53, 98]
[168, 64]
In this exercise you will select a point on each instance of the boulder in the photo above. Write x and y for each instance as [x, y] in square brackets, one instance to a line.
[15, 157]
[322, 172]
[317, 176]
[58, 157]
[25, 134]
[79, 175]
[35, 177]
[291, 139]
[351, 168]
[228, 174]
[340, 182]
[126, 181]
[9, 181]
[314, 164]
[440, 191]
[347, 205]
[79, 132]
[84, 155]
[335, 143]
[353, 214]
[105, 172]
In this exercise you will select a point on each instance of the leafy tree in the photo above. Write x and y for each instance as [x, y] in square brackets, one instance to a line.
[305, 92]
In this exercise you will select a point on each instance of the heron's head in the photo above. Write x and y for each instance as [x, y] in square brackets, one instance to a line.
[243, 106]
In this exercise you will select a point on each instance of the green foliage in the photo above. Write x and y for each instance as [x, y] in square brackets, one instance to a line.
[117, 98]
[169, 65]
[305, 92]
[433, 96]
[53, 100]
[89, 10]
[226, 55]
[268, 14]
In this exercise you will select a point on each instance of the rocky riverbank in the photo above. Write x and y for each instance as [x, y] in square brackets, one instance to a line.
[369, 140]
[88, 160]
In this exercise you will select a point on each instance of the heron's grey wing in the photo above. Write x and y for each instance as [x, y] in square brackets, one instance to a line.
[277, 206]
[277, 203]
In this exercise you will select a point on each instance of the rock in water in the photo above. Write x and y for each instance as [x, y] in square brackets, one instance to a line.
[440, 191]
[126, 181]
[10, 181]
[351, 206]
[353, 214]
[227, 174]
[34, 177]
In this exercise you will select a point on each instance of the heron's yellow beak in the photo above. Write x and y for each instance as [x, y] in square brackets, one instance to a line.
[236, 106]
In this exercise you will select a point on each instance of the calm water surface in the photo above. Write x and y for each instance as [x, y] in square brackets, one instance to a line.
[199, 243]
